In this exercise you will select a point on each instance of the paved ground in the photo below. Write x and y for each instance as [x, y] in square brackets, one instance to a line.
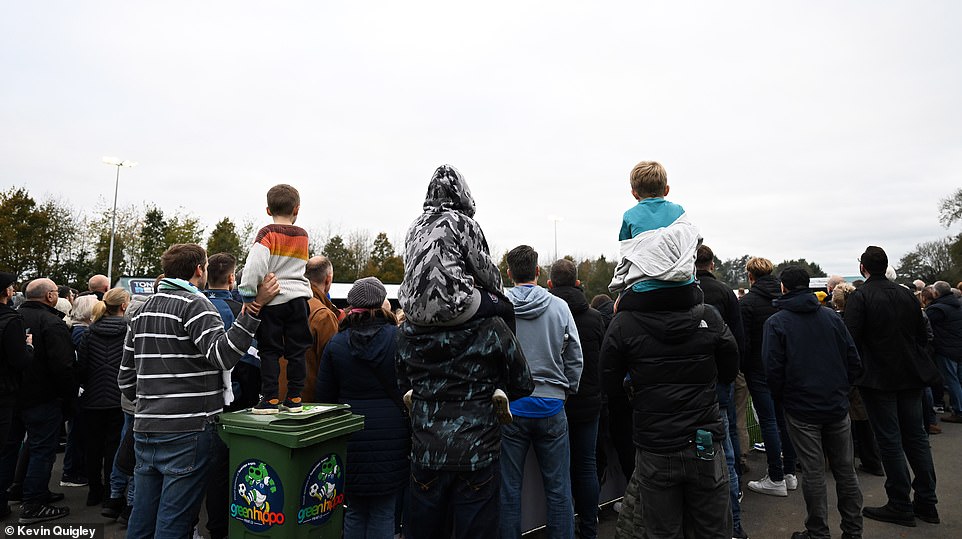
[764, 517]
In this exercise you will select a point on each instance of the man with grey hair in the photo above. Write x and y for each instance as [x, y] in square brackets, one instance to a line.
[919, 284]
[45, 385]
[945, 316]
[323, 317]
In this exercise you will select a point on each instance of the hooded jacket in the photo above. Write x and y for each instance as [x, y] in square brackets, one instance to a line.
[352, 366]
[549, 336]
[99, 354]
[756, 307]
[674, 358]
[586, 404]
[888, 327]
[52, 373]
[945, 315]
[453, 373]
[446, 257]
[811, 359]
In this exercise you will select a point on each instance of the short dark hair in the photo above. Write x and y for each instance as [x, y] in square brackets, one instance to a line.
[563, 272]
[794, 278]
[317, 269]
[282, 199]
[181, 259]
[219, 268]
[523, 263]
[875, 260]
[600, 300]
[704, 256]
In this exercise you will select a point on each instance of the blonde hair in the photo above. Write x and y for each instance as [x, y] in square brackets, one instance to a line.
[840, 295]
[113, 300]
[759, 267]
[649, 179]
[81, 310]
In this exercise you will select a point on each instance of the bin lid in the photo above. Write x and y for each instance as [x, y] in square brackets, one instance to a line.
[314, 424]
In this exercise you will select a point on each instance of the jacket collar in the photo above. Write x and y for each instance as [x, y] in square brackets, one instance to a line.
[43, 306]
[322, 297]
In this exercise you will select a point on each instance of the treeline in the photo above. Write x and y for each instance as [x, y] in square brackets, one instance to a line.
[939, 259]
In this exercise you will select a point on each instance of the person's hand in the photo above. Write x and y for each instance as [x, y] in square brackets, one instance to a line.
[267, 290]
[30, 339]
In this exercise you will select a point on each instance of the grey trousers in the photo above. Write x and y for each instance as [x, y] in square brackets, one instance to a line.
[812, 444]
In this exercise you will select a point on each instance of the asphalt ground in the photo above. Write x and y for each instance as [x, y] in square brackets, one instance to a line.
[763, 516]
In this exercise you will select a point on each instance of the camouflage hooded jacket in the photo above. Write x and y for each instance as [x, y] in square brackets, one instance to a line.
[446, 256]
[454, 372]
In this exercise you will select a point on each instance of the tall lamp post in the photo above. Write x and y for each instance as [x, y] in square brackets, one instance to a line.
[555, 218]
[114, 162]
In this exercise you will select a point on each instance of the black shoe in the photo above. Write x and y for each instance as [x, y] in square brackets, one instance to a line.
[125, 515]
[4, 511]
[801, 535]
[94, 498]
[927, 513]
[887, 514]
[42, 513]
[54, 497]
[112, 508]
[73, 481]
[878, 471]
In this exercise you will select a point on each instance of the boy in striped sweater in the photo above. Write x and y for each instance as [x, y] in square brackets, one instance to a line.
[280, 248]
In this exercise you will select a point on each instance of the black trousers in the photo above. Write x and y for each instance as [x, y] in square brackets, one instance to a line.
[103, 428]
[284, 331]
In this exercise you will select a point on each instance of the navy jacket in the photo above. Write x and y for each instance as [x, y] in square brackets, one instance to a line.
[811, 359]
[756, 307]
[945, 315]
[377, 457]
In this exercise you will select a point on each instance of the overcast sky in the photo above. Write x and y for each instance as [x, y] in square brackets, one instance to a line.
[788, 129]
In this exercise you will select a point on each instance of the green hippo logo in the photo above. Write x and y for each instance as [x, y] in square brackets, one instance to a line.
[258, 475]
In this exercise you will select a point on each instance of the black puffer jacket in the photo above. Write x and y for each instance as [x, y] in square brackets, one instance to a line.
[945, 315]
[889, 330]
[354, 362]
[756, 307]
[99, 353]
[674, 359]
[586, 404]
[51, 375]
[15, 356]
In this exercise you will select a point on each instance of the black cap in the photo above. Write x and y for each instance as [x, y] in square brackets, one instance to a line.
[6, 279]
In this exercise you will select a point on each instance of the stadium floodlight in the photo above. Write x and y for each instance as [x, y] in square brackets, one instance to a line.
[114, 162]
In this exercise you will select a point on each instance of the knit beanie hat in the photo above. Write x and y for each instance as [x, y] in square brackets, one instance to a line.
[367, 293]
[6, 279]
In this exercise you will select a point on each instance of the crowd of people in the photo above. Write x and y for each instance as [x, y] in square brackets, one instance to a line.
[468, 376]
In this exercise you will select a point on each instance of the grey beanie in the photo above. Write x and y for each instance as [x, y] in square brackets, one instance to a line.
[367, 293]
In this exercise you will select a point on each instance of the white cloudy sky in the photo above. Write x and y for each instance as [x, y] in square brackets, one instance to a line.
[789, 129]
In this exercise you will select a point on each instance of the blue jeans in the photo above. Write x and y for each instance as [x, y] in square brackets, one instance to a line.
[119, 481]
[778, 448]
[733, 485]
[685, 496]
[41, 424]
[443, 504]
[370, 517]
[583, 440]
[549, 437]
[170, 479]
[952, 371]
[896, 417]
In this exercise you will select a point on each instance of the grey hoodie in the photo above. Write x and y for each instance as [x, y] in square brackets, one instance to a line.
[446, 257]
[549, 338]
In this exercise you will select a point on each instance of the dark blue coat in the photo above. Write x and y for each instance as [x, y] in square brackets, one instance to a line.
[811, 359]
[377, 457]
[98, 359]
[945, 315]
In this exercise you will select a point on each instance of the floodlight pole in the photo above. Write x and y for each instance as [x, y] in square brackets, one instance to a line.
[113, 161]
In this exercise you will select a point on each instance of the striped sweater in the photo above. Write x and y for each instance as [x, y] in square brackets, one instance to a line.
[281, 250]
[174, 353]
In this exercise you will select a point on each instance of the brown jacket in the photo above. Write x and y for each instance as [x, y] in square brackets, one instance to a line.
[323, 321]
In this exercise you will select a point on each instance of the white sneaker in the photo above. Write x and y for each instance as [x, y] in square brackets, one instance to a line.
[766, 486]
[791, 482]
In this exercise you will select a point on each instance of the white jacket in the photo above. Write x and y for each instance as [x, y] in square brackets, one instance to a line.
[663, 254]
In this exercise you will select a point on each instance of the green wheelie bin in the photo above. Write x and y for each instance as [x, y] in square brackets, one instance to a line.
[287, 471]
